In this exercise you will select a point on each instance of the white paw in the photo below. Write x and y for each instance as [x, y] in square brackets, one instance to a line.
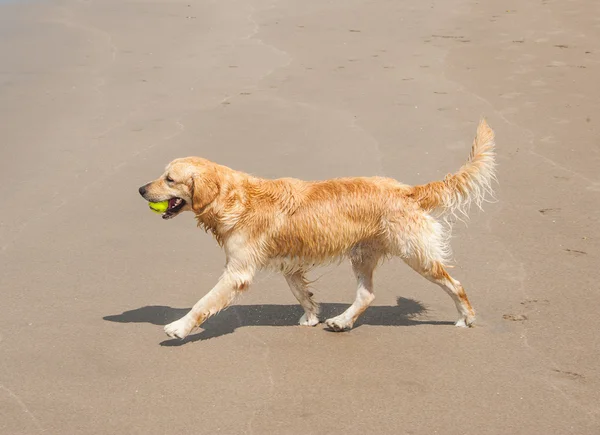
[339, 323]
[180, 328]
[310, 320]
[465, 322]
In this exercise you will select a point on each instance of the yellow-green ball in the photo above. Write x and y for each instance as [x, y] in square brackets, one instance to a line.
[159, 207]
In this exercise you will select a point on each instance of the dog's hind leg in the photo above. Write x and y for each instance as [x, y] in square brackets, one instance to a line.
[299, 287]
[425, 249]
[436, 273]
[363, 265]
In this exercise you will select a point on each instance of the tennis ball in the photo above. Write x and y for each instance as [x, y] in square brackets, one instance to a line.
[159, 207]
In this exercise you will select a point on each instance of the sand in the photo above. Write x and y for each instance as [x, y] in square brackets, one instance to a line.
[96, 97]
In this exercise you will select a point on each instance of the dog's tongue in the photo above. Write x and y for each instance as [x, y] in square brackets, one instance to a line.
[172, 202]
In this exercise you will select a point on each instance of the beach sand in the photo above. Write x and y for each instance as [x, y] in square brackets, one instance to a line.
[95, 99]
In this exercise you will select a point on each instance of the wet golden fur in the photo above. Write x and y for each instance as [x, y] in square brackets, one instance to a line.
[293, 225]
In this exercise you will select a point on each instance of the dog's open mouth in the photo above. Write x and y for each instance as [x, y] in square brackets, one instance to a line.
[175, 206]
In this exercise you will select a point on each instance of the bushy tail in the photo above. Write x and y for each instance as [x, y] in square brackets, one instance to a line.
[470, 184]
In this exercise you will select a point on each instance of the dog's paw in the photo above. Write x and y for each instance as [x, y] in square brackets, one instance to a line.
[180, 328]
[310, 320]
[465, 322]
[338, 324]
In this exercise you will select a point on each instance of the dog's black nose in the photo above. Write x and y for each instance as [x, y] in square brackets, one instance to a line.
[142, 190]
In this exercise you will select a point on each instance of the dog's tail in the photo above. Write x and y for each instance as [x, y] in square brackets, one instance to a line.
[470, 184]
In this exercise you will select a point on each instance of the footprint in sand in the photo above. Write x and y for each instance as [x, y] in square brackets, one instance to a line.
[515, 317]
[528, 305]
[567, 375]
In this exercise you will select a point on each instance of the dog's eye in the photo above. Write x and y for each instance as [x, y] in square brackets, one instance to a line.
[169, 179]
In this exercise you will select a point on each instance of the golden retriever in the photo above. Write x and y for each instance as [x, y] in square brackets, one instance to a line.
[292, 226]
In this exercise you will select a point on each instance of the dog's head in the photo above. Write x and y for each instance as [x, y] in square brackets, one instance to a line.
[189, 184]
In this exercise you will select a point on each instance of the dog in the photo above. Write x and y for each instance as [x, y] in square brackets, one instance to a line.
[292, 226]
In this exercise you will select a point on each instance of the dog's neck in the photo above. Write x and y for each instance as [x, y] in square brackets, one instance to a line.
[230, 202]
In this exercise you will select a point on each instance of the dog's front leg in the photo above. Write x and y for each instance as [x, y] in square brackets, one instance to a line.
[220, 297]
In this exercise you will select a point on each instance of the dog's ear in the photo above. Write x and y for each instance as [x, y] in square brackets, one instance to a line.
[205, 188]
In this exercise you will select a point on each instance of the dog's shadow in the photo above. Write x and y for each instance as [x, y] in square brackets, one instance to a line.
[405, 313]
